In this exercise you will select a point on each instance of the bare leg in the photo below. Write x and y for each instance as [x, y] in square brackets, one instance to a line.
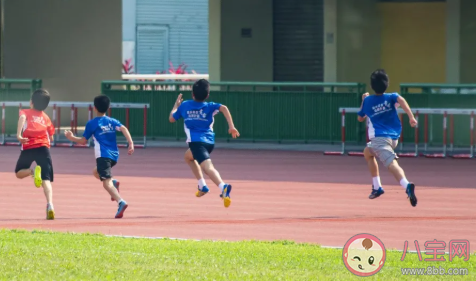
[24, 173]
[371, 162]
[409, 187]
[109, 187]
[373, 169]
[210, 170]
[95, 173]
[197, 172]
[396, 171]
[48, 190]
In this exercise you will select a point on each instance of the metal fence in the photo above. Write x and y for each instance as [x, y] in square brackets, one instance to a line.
[461, 96]
[16, 90]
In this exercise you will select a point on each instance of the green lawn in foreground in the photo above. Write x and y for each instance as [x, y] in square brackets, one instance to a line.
[62, 256]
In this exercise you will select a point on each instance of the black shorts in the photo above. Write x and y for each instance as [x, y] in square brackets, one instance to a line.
[201, 150]
[104, 166]
[41, 156]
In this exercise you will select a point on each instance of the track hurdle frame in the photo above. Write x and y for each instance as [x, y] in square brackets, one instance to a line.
[417, 112]
[56, 120]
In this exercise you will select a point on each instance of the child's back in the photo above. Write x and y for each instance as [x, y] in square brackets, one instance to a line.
[103, 130]
[198, 120]
[38, 129]
[383, 115]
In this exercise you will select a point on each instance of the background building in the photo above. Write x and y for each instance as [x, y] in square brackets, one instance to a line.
[73, 45]
[159, 32]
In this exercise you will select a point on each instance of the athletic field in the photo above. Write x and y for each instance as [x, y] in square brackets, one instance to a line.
[287, 197]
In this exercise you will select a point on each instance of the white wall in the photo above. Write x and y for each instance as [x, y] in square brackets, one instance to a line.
[247, 59]
[72, 45]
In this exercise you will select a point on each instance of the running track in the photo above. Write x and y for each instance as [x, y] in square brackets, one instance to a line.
[301, 196]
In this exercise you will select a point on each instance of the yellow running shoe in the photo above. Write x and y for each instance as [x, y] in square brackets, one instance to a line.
[202, 192]
[225, 195]
[50, 212]
[37, 177]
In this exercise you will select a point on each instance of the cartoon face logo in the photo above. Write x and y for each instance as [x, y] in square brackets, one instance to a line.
[364, 255]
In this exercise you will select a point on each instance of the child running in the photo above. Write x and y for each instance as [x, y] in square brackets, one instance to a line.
[198, 118]
[384, 131]
[103, 130]
[37, 132]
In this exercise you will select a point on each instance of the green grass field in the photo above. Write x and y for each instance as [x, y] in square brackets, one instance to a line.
[62, 256]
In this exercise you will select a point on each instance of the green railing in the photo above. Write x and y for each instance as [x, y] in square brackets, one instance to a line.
[424, 88]
[16, 90]
[440, 96]
[297, 112]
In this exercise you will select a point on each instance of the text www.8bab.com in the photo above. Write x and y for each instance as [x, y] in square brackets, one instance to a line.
[433, 270]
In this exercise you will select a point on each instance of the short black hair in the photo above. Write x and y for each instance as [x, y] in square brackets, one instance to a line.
[379, 81]
[201, 89]
[102, 103]
[40, 99]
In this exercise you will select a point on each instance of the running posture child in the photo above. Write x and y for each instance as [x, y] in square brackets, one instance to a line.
[384, 131]
[35, 146]
[103, 130]
[198, 118]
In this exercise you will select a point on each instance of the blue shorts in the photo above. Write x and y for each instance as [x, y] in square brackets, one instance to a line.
[201, 150]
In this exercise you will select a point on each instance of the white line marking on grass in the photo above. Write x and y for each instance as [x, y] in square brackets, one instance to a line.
[158, 238]
[198, 240]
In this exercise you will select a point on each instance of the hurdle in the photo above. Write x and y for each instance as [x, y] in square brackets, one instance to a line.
[56, 120]
[417, 113]
[342, 152]
[360, 153]
[401, 153]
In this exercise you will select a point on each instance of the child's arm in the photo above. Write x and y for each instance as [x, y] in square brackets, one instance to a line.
[51, 131]
[232, 130]
[362, 118]
[126, 134]
[178, 102]
[79, 140]
[21, 123]
[403, 103]
[88, 132]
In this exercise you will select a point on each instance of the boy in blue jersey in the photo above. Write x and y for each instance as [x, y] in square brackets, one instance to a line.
[103, 130]
[198, 118]
[384, 129]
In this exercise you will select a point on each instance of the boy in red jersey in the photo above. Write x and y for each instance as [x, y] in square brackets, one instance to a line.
[35, 146]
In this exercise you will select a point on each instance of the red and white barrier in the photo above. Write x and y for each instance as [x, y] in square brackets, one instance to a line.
[471, 137]
[417, 112]
[443, 153]
[74, 120]
[417, 132]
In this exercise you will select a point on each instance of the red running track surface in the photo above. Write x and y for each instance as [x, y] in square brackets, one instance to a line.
[299, 196]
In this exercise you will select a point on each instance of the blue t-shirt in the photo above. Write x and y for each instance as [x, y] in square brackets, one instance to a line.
[103, 130]
[198, 120]
[383, 115]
